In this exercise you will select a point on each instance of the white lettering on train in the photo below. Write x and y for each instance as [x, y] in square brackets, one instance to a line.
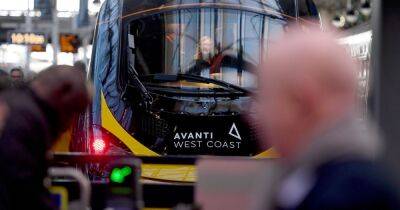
[193, 135]
[187, 144]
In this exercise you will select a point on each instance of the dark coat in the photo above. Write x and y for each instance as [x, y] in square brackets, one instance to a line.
[24, 139]
[338, 172]
[351, 185]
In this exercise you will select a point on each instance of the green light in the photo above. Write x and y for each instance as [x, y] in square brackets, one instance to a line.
[118, 175]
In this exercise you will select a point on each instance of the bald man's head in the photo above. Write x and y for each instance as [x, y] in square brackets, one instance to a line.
[307, 83]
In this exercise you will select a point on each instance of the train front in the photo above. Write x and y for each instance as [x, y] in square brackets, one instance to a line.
[176, 78]
[188, 74]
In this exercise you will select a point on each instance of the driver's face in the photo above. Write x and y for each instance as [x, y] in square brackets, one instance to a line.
[206, 45]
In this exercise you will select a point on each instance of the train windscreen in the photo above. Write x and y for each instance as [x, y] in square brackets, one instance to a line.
[220, 44]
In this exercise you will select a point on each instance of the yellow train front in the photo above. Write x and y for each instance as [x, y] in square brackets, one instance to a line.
[175, 78]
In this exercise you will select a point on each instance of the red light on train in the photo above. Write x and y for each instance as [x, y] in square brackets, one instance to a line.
[103, 142]
[99, 145]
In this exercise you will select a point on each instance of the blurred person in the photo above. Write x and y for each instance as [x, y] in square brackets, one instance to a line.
[64, 143]
[5, 81]
[29, 75]
[17, 75]
[207, 57]
[31, 118]
[206, 47]
[81, 66]
[306, 109]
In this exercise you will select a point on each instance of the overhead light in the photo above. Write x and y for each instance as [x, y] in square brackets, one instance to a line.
[357, 39]
[351, 16]
[338, 21]
[365, 9]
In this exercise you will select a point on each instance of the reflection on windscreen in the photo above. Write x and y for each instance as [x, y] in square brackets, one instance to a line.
[222, 44]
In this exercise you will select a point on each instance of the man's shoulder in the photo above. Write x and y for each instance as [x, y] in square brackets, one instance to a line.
[352, 185]
[349, 168]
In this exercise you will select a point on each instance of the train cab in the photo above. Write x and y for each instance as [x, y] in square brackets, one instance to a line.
[175, 78]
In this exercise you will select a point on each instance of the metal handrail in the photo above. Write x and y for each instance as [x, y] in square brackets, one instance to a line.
[84, 183]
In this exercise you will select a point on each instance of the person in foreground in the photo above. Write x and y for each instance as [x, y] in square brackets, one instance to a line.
[31, 118]
[307, 106]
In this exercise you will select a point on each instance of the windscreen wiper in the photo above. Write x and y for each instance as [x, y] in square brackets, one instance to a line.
[146, 98]
[212, 81]
[195, 78]
[195, 92]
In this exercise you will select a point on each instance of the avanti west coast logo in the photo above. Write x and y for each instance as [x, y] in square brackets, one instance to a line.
[208, 139]
[235, 132]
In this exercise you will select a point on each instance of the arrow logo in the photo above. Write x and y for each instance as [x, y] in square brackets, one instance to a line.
[234, 132]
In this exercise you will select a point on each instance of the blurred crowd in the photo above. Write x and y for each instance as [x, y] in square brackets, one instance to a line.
[33, 113]
[305, 107]
[17, 76]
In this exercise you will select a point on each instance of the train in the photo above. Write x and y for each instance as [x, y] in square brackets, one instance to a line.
[175, 78]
